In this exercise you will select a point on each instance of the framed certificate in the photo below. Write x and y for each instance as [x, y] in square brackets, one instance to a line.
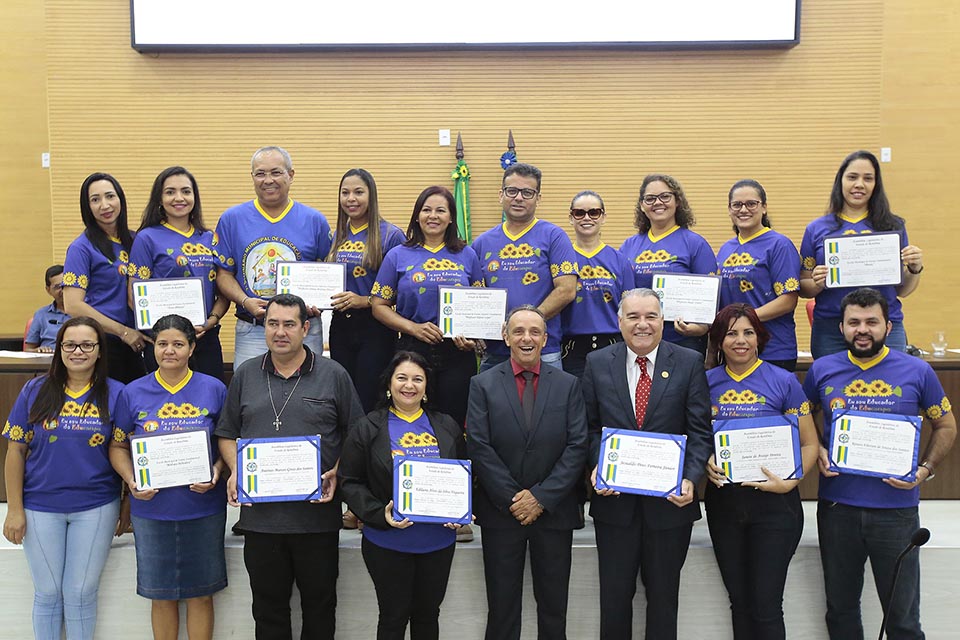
[171, 459]
[743, 445]
[473, 312]
[432, 490]
[153, 299]
[867, 260]
[883, 445]
[641, 462]
[691, 297]
[278, 469]
[315, 282]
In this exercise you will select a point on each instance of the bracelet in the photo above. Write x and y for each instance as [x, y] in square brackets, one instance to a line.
[244, 302]
[917, 272]
[214, 315]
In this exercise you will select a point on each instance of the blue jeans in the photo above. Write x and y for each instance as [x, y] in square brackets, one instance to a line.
[66, 553]
[850, 535]
[826, 338]
[489, 361]
[251, 340]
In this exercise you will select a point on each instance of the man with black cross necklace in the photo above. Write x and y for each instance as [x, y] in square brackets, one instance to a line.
[290, 391]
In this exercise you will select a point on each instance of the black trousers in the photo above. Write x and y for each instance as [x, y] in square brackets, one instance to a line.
[207, 356]
[754, 534]
[410, 587]
[789, 365]
[575, 349]
[123, 363]
[504, 556]
[452, 370]
[363, 347]
[274, 562]
[658, 555]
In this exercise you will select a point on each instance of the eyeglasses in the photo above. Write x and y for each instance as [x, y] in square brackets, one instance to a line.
[276, 174]
[751, 205]
[527, 194]
[580, 214]
[666, 198]
[85, 347]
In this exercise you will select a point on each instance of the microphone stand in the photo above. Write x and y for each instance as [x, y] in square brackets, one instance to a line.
[919, 538]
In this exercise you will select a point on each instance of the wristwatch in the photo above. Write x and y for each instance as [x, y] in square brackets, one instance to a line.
[929, 467]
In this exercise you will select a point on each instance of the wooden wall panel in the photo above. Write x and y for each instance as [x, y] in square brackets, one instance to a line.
[589, 119]
[921, 123]
[24, 185]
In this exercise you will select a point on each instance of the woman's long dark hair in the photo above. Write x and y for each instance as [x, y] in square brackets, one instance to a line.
[52, 393]
[373, 251]
[878, 208]
[154, 213]
[94, 233]
[451, 240]
[399, 358]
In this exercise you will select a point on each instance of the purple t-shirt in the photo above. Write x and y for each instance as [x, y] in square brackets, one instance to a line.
[67, 468]
[892, 382]
[105, 281]
[149, 406]
[350, 253]
[811, 254]
[525, 265]
[411, 278]
[679, 250]
[756, 271]
[604, 275]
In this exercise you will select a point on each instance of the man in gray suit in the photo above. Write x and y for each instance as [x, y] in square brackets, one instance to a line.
[527, 438]
[644, 383]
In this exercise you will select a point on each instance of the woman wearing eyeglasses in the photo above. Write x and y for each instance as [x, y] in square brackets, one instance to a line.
[858, 205]
[95, 274]
[173, 242]
[590, 321]
[63, 498]
[406, 295]
[761, 268]
[665, 244]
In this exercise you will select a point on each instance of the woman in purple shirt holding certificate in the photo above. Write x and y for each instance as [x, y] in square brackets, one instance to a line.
[178, 530]
[858, 205]
[409, 563]
[755, 526]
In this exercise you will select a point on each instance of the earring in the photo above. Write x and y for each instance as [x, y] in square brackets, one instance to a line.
[424, 398]
[389, 395]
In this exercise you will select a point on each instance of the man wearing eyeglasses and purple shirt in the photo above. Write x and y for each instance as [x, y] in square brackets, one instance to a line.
[532, 259]
[252, 237]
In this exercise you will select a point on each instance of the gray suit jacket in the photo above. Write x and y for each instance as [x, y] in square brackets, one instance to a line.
[679, 404]
[547, 459]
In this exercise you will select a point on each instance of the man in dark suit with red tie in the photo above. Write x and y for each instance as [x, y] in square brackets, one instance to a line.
[527, 438]
[644, 383]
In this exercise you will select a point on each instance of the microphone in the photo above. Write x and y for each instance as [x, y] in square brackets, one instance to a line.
[919, 538]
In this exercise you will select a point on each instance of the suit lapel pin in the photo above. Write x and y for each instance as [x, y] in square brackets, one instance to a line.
[664, 374]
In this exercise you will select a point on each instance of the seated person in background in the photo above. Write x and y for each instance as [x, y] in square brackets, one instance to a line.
[42, 334]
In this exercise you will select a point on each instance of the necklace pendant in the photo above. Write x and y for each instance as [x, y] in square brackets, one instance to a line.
[277, 423]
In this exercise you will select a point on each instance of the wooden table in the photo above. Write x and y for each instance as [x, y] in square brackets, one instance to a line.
[14, 373]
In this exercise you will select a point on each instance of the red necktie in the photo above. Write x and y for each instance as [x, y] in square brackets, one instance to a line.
[642, 395]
